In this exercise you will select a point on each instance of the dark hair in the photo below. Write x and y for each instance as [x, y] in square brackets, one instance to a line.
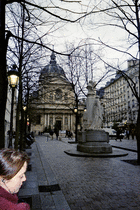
[11, 161]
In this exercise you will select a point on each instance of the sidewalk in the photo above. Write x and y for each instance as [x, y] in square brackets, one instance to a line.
[125, 143]
[41, 190]
[61, 182]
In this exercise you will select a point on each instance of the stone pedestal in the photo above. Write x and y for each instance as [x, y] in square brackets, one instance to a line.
[94, 141]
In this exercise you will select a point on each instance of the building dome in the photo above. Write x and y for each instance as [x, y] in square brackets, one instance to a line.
[52, 68]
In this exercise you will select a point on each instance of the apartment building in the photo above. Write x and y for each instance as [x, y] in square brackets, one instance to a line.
[120, 103]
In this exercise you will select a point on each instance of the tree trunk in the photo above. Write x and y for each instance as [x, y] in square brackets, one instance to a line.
[138, 119]
[3, 76]
[17, 127]
[76, 123]
[22, 130]
[138, 137]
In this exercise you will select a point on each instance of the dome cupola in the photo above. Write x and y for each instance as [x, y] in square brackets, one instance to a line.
[52, 68]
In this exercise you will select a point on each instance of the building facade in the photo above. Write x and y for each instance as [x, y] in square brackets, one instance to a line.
[120, 103]
[54, 102]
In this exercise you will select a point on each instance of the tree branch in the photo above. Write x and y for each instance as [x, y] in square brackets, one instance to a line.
[37, 43]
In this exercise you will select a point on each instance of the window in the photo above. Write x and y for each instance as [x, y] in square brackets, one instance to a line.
[134, 116]
[58, 94]
[51, 121]
[38, 119]
[66, 121]
[51, 96]
[66, 96]
[133, 103]
[128, 94]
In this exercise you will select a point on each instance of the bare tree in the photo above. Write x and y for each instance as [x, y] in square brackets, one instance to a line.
[80, 68]
[125, 16]
[26, 56]
[56, 15]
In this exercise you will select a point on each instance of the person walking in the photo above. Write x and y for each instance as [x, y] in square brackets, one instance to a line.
[127, 134]
[133, 133]
[56, 129]
[57, 133]
[119, 134]
[51, 134]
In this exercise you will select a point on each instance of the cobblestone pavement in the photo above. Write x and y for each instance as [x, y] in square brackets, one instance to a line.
[93, 183]
[125, 143]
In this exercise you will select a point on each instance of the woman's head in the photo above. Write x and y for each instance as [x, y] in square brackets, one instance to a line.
[11, 161]
[13, 165]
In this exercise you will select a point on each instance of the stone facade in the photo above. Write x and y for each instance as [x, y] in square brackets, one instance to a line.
[55, 100]
[119, 101]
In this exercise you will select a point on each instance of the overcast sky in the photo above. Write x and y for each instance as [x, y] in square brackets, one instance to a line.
[73, 32]
[58, 32]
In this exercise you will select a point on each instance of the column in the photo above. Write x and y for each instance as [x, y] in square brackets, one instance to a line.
[53, 120]
[48, 120]
[45, 120]
[63, 122]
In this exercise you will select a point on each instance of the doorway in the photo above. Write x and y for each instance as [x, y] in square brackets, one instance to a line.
[58, 123]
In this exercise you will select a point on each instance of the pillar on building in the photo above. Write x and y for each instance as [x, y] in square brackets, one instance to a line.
[45, 121]
[53, 121]
[70, 122]
[63, 119]
[48, 119]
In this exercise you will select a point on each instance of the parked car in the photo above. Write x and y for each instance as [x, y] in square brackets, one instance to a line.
[112, 132]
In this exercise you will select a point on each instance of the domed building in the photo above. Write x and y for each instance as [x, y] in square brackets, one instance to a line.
[55, 101]
[52, 68]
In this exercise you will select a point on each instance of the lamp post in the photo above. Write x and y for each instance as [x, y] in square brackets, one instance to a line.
[76, 112]
[85, 109]
[24, 107]
[13, 77]
[25, 123]
[76, 124]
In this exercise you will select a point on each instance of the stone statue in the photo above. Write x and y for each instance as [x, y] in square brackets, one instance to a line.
[93, 117]
[93, 139]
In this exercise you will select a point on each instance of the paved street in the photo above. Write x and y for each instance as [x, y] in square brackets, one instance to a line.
[92, 183]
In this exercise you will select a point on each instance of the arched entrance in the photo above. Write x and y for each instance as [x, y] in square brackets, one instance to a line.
[58, 123]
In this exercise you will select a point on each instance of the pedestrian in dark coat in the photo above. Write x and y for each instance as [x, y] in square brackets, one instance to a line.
[51, 133]
[57, 134]
[119, 134]
[127, 134]
[133, 133]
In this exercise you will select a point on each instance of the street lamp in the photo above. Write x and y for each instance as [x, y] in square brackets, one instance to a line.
[76, 124]
[24, 107]
[13, 77]
[76, 112]
[85, 109]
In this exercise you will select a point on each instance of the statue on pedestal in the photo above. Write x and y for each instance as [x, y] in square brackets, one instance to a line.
[93, 118]
[93, 139]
